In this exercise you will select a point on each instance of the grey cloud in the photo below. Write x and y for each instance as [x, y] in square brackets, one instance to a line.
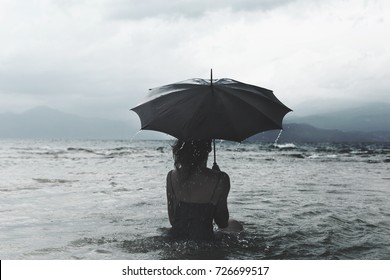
[123, 9]
[87, 62]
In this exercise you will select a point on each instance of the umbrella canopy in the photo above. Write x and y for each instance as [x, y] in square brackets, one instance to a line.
[199, 109]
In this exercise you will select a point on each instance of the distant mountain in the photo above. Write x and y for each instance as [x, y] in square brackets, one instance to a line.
[367, 118]
[306, 133]
[44, 122]
[370, 123]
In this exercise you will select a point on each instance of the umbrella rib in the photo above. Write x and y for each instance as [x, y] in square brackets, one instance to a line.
[201, 104]
[230, 94]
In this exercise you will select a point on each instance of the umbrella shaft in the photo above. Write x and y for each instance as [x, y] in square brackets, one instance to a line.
[215, 156]
[215, 165]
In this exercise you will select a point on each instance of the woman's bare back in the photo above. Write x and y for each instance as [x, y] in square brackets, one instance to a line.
[203, 186]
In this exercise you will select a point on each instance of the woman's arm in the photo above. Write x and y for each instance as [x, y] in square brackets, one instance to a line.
[170, 199]
[221, 216]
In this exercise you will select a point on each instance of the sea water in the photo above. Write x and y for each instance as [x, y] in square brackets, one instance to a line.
[63, 199]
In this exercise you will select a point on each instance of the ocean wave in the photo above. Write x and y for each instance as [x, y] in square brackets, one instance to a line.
[301, 156]
[109, 152]
[315, 201]
[53, 181]
[323, 156]
[224, 247]
[286, 146]
[71, 149]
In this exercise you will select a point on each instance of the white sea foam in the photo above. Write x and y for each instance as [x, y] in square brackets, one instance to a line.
[285, 146]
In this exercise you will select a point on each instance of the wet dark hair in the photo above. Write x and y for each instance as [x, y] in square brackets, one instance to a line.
[189, 155]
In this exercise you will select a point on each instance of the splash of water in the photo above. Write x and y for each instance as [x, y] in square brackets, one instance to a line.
[277, 138]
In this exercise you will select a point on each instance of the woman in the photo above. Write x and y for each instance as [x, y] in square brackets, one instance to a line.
[196, 194]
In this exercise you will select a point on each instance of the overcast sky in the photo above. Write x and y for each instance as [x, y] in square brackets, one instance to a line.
[100, 57]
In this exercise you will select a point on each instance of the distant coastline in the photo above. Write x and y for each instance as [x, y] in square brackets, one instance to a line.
[304, 133]
[364, 124]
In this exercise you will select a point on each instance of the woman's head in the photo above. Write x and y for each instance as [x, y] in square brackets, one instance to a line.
[190, 155]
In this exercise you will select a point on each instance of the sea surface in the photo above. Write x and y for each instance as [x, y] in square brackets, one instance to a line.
[63, 199]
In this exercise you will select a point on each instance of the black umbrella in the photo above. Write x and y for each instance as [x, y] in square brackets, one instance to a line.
[199, 109]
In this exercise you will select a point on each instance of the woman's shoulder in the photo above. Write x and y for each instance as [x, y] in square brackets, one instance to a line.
[224, 181]
[218, 174]
[169, 175]
[221, 178]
